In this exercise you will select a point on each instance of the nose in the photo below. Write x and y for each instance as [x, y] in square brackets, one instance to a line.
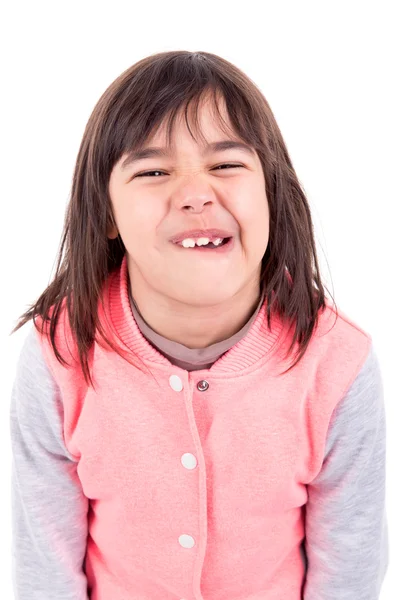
[195, 204]
[193, 196]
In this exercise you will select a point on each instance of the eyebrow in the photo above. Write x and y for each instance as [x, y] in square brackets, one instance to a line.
[152, 152]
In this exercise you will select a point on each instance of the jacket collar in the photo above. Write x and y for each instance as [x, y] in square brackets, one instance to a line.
[260, 342]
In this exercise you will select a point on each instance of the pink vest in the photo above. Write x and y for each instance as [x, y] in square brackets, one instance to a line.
[197, 481]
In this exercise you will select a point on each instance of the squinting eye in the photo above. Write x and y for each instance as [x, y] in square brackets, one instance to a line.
[229, 166]
[148, 173]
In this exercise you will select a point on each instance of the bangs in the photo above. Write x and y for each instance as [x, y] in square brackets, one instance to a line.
[190, 110]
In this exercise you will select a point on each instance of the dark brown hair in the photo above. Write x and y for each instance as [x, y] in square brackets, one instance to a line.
[157, 88]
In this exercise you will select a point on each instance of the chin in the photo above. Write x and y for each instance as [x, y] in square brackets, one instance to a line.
[206, 296]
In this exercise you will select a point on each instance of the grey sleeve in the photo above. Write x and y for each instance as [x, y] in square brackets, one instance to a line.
[346, 534]
[49, 509]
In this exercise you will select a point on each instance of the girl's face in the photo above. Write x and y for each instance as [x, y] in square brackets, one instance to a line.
[189, 189]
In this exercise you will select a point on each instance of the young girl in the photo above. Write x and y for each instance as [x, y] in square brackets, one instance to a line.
[165, 446]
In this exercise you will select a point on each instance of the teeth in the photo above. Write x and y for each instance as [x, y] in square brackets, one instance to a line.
[190, 243]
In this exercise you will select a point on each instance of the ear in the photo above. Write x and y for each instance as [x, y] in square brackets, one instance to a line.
[112, 233]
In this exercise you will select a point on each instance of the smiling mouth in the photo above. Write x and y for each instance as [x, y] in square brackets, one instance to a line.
[209, 245]
[210, 248]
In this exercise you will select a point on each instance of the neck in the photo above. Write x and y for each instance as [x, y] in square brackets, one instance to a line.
[195, 326]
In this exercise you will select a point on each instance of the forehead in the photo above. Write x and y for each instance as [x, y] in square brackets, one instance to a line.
[165, 152]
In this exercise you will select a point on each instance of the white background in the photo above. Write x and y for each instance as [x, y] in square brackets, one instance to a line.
[330, 73]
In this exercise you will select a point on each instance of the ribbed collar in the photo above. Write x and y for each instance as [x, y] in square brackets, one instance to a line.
[259, 341]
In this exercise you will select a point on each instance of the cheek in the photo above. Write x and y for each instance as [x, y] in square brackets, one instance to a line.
[257, 235]
[252, 215]
[139, 218]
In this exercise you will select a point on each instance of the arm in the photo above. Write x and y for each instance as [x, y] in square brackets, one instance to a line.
[346, 540]
[49, 509]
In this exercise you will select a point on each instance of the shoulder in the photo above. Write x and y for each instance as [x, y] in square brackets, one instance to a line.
[31, 363]
[340, 347]
[338, 327]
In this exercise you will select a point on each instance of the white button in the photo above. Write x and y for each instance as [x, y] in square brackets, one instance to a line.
[188, 460]
[186, 541]
[176, 383]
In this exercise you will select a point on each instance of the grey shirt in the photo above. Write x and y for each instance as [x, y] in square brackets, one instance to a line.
[345, 549]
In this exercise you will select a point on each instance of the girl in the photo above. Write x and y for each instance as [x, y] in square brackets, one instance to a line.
[164, 446]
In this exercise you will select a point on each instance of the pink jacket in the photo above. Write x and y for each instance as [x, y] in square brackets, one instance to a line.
[197, 480]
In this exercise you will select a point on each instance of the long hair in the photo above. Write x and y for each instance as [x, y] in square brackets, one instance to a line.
[156, 88]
